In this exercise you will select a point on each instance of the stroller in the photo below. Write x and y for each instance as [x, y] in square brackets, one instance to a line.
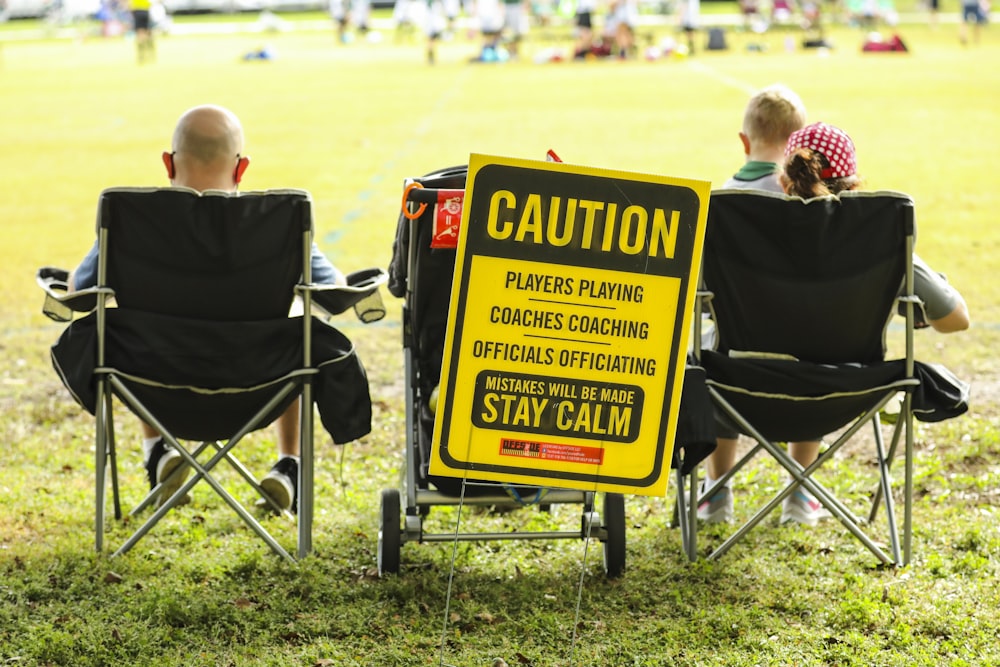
[422, 276]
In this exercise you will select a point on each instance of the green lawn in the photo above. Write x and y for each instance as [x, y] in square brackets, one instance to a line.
[349, 123]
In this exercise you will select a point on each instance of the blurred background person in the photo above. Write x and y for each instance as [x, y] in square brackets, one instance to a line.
[143, 27]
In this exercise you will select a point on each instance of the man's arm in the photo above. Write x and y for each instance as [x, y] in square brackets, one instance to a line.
[946, 310]
[956, 320]
[323, 270]
[85, 274]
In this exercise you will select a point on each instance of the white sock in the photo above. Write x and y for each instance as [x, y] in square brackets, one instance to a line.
[294, 457]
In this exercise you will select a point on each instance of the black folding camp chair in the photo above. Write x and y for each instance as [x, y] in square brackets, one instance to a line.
[190, 329]
[801, 293]
[421, 273]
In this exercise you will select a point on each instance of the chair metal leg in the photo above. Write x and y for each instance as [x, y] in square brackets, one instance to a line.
[908, 484]
[100, 464]
[902, 429]
[680, 514]
[679, 508]
[202, 472]
[890, 456]
[306, 472]
[885, 486]
[113, 458]
[687, 510]
[801, 476]
[693, 514]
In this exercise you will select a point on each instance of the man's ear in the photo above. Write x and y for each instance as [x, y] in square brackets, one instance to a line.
[746, 143]
[168, 162]
[241, 166]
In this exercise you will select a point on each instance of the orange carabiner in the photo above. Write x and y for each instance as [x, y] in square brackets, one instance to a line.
[406, 195]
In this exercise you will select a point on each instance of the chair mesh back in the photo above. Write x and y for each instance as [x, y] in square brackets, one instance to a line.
[205, 256]
[813, 279]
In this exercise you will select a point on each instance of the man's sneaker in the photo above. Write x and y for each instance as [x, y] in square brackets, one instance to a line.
[801, 507]
[718, 507]
[281, 484]
[166, 467]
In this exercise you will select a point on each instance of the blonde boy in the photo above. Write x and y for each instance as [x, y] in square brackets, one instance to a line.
[771, 115]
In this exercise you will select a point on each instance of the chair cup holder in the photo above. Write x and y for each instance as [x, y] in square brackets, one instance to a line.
[370, 308]
[56, 310]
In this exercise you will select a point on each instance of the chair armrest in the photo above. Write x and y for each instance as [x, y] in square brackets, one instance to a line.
[361, 292]
[919, 314]
[60, 303]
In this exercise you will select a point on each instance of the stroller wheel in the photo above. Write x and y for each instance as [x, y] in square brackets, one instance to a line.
[389, 534]
[614, 544]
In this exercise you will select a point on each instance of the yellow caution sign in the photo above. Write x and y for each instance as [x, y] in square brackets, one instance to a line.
[568, 326]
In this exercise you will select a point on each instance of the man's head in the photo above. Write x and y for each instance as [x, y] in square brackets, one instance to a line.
[771, 116]
[206, 151]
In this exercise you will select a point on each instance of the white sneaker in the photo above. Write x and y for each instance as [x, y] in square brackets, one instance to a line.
[167, 469]
[281, 484]
[802, 508]
[717, 507]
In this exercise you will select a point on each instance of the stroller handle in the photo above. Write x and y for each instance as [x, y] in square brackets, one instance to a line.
[415, 192]
[425, 195]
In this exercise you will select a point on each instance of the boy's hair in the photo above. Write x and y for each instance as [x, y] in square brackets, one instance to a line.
[772, 114]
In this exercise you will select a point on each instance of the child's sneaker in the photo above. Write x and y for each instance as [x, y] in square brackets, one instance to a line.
[163, 461]
[801, 507]
[718, 507]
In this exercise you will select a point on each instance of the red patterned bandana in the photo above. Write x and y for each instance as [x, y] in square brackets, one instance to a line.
[832, 142]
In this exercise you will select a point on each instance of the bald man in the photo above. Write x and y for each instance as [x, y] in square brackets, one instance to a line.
[207, 150]
[207, 154]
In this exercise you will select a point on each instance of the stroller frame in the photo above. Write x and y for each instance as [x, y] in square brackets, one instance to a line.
[405, 523]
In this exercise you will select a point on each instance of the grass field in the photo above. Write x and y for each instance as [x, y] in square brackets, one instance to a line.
[348, 123]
